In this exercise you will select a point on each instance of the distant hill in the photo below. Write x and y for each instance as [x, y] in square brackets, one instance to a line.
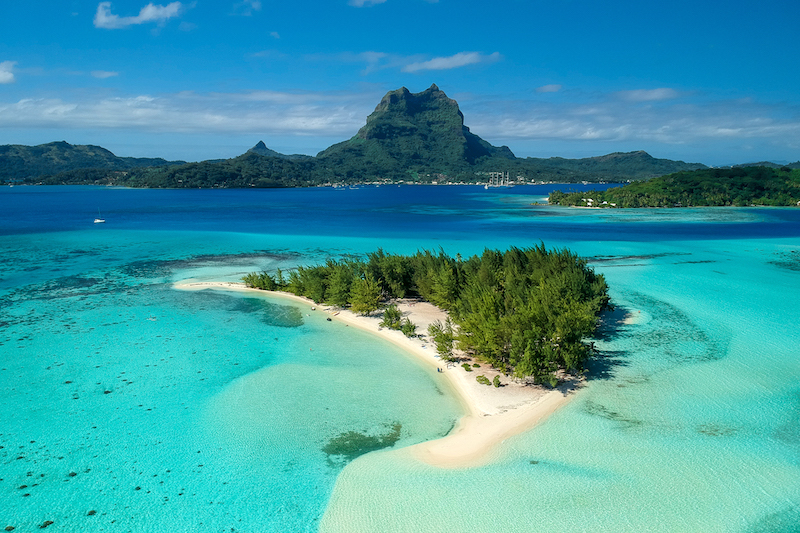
[18, 162]
[410, 137]
[261, 149]
[740, 186]
[769, 164]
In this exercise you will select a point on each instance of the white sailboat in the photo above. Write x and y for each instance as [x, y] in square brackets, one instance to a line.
[99, 219]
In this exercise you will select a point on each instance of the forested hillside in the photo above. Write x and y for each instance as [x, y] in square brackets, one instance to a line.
[739, 186]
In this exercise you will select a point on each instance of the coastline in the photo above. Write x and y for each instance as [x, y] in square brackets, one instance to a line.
[492, 414]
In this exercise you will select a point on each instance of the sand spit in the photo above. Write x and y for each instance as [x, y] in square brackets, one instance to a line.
[493, 414]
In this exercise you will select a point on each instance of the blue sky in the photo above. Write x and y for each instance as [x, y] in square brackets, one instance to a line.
[703, 81]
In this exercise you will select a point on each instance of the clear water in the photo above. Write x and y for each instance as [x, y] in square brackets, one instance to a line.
[164, 410]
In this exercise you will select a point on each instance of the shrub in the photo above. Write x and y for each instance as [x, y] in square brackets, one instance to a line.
[483, 380]
[496, 381]
[466, 367]
[476, 365]
[391, 317]
[408, 328]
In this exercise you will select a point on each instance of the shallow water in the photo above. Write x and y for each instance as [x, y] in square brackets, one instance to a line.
[210, 410]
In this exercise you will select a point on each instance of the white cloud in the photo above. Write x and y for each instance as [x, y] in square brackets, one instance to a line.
[246, 7]
[649, 95]
[103, 18]
[460, 59]
[275, 35]
[363, 3]
[103, 74]
[7, 71]
[552, 88]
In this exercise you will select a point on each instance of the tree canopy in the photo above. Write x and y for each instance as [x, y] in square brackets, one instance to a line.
[740, 186]
[524, 311]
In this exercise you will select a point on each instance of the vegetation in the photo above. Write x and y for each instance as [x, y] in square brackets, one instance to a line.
[523, 311]
[408, 328]
[739, 186]
[483, 380]
[391, 317]
[443, 337]
[496, 381]
[352, 444]
[20, 163]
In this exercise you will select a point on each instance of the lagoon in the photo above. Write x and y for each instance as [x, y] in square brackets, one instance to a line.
[182, 411]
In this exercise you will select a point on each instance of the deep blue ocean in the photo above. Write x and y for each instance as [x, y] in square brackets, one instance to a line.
[128, 405]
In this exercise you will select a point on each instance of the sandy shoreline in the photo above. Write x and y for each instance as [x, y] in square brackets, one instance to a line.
[493, 414]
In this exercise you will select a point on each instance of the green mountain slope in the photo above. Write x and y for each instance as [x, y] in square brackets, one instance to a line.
[18, 162]
[412, 133]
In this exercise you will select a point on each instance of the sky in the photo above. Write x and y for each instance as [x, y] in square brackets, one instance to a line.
[699, 81]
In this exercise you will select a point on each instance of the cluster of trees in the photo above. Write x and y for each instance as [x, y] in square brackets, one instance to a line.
[739, 186]
[524, 311]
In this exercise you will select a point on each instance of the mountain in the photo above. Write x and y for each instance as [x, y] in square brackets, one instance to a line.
[413, 133]
[417, 137]
[18, 162]
[261, 149]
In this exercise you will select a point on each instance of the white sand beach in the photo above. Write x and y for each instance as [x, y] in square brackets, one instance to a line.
[493, 414]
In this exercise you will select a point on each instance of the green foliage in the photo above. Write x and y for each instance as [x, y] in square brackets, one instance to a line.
[466, 367]
[483, 380]
[408, 328]
[365, 295]
[739, 186]
[391, 317]
[261, 280]
[443, 337]
[523, 311]
[496, 381]
[476, 365]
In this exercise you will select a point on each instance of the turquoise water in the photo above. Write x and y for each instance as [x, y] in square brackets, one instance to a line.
[164, 410]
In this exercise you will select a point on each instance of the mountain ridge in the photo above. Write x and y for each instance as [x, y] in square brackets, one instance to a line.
[409, 137]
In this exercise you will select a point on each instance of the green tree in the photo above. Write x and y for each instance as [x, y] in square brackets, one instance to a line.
[365, 295]
[391, 317]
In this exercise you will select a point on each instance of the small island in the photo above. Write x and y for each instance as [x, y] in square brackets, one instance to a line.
[740, 186]
[497, 324]
[525, 312]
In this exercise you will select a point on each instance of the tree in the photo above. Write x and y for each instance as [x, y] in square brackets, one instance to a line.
[365, 295]
[443, 338]
[391, 317]
[339, 281]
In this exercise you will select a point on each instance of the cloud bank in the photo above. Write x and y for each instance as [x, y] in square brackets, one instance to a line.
[103, 18]
[608, 123]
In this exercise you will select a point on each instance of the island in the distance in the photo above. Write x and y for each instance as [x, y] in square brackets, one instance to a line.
[739, 186]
